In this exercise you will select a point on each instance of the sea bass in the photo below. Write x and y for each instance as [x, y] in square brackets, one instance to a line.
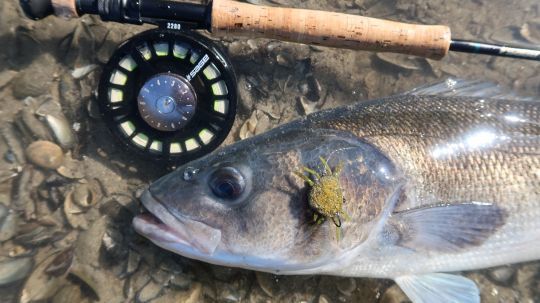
[445, 178]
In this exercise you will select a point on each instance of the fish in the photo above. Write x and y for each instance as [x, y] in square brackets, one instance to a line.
[438, 180]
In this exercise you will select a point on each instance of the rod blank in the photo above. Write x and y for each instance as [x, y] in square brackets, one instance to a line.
[465, 46]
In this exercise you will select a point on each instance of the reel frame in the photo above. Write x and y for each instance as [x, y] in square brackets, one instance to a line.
[181, 53]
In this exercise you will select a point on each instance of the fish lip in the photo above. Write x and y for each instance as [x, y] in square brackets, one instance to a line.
[174, 228]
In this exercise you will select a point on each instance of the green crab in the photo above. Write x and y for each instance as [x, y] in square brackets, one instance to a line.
[325, 195]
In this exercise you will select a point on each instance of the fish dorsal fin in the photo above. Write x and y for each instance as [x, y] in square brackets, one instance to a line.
[465, 88]
[440, 288]
[445, 228]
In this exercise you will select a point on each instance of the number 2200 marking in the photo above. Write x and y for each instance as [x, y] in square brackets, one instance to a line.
[173, 25]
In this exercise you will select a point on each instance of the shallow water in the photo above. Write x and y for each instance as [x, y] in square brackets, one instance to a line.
[70, 227]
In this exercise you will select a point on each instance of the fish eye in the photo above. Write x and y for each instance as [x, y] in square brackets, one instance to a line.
[227, 183]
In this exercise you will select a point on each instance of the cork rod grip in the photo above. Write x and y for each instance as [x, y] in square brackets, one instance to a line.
[329, 29]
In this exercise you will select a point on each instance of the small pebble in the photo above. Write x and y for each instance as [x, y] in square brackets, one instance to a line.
[323, 299]
[45, 154]
[14, 270]
[149, 292]
[346, 286]
[394, 294]
[502, 275]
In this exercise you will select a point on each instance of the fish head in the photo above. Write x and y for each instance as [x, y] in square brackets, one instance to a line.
[244, 206]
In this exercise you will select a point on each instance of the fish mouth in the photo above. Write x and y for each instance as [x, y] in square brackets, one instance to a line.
[167, 230]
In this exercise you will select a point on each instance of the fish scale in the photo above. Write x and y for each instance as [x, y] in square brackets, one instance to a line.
[388, 136]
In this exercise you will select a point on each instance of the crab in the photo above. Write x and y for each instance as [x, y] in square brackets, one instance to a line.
[325, 195]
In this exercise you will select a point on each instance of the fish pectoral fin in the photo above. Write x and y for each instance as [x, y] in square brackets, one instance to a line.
[439, 287]
[445, 227]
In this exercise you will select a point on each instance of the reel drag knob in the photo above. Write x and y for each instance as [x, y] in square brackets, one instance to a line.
[167, 102]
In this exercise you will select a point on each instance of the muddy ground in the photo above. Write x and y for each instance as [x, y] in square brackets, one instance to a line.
[65, 233]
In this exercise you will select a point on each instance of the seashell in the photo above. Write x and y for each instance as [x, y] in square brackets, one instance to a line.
[6, 76]
[323, 299]
[181, 281]
[12, 270]
[149, 292]
[104, 284]
[272, 111]
[230, 292]
[503, 275]
[193, 295]
[402, 61]
[18, 251]
[248, 128]
[29, 122]
[70, 293]
[269, 283]
[283, 60]
[71, 168]
[36, 79]
[311, 88]
[4, 211]
[263, 124]
[93, 109]
[61, 263]
[246, 94]
[8, 223]
[33, 234]
[40, 285]
[74, 213]
[88, 246]
[82, 71]
[506, 34]
[346, 286]
[530, 31]
[8, 134]
[394, 294]
[45, 154]
[61, 130]
[133, 261]
[307, 106]
[51, 110]
[83, 195]
[113, 244]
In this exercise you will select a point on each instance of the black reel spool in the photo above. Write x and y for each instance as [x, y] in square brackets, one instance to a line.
[169, 95]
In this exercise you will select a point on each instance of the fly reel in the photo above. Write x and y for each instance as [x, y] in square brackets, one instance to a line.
[169, 95]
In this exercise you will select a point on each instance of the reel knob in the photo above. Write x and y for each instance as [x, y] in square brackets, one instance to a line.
[167, 102]
[169, 95]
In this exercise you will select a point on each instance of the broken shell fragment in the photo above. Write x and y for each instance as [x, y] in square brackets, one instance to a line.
[8, 223]
[51, 111]
[12, 270]
[402, 61]
[83, 195]
[74, 213]
[71, 168]
[70, 293]
[530, 31]
[61, 263]
[307, 106]
[61, 130]
[45, 154]
[40, 285]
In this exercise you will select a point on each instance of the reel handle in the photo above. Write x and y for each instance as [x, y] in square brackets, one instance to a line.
[329, 29]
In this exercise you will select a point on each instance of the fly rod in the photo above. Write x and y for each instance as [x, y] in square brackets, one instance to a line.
[227, 17]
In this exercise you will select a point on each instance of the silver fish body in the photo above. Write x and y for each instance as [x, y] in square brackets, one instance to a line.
[433, 183]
